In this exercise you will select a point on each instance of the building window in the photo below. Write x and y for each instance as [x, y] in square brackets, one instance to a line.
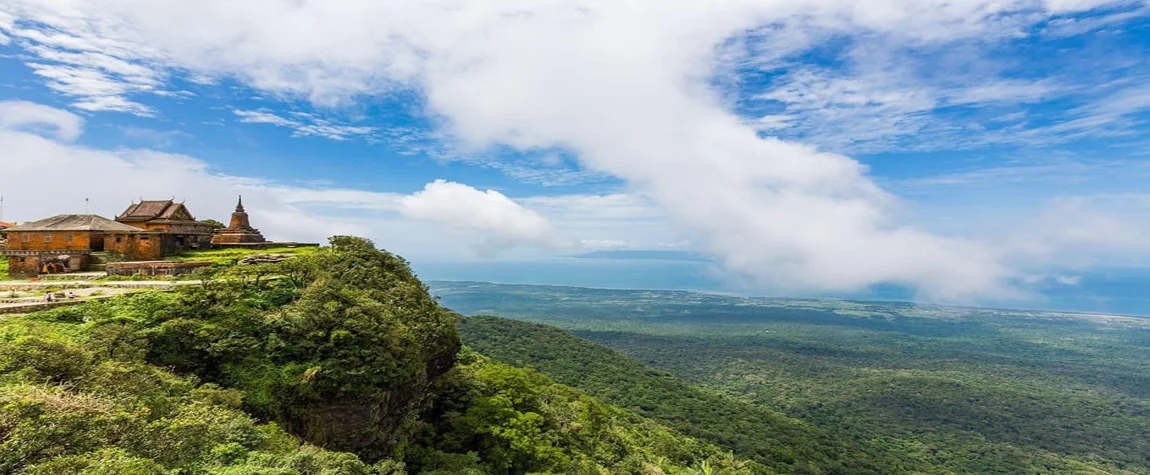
[25, 237]
[119, 239]
[68, 238]
[47, 238]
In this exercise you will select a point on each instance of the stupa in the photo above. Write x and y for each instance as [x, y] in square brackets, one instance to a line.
[239, 230]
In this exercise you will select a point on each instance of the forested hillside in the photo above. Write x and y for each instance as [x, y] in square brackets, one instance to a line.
[954, 390]
[781, 442]
[338, 362]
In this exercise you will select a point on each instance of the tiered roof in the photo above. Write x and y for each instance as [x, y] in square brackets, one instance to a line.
[155, 210]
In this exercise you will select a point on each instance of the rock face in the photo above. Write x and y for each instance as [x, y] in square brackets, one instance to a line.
[367, 428]
[263, 259]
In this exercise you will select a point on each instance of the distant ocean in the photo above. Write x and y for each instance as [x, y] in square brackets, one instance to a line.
[1114, 291]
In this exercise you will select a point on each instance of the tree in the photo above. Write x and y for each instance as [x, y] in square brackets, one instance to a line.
[215, 224]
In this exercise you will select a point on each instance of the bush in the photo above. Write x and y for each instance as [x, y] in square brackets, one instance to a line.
[44, 359]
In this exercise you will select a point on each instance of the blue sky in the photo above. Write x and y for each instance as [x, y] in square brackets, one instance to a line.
[968, 151]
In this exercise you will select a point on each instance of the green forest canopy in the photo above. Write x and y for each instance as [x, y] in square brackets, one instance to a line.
[943, 389]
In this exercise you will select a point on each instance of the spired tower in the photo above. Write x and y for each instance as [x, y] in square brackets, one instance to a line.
[239, 230]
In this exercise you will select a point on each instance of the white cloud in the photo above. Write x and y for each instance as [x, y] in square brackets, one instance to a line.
[1051, 170]
[264, 117]
[604, 244]
[1068, 279]
[309, 126]
[1085, 231]
[545, 168]
[501, 221]
[1064, 27]
[22, 114]
[6, 21]
[622, 85]
[99, 82]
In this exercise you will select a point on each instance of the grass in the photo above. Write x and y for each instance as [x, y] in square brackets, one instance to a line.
[231, 256]
[3, 268]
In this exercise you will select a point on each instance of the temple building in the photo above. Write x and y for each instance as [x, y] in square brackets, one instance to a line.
[165, 216]
[239, 231]
[160, 228]
[62, 243]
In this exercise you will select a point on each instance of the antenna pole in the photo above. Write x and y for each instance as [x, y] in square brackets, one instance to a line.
[86, 207]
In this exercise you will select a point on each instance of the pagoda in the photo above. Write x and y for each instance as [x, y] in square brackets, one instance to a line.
[239, 230]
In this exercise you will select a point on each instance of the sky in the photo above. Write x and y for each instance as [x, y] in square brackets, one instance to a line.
[965, 151]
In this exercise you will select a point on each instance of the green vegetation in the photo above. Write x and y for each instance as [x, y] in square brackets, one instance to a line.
[67, 407]
[943, 390]
[215, 224]
[231, 256]
[3, 268]
[488, 417]
[783, 443]
[336, 362]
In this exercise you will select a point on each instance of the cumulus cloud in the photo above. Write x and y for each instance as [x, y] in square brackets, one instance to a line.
[500, 220]
[623, 85]
[23, 115]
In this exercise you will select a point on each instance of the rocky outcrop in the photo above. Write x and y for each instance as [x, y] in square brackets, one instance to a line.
[367, 427]
[263, 259]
